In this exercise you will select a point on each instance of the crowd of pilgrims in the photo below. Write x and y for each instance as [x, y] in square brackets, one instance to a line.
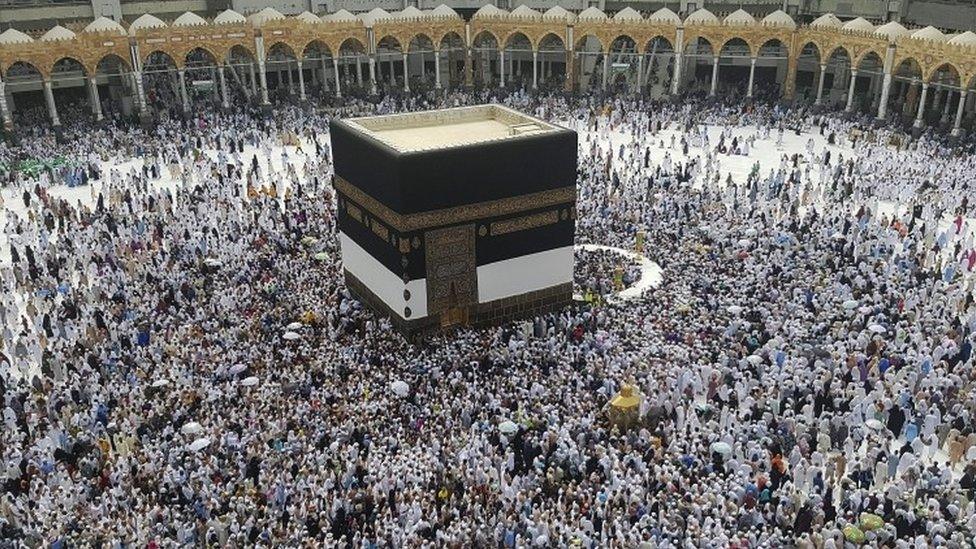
[598, 273]
[150, 398]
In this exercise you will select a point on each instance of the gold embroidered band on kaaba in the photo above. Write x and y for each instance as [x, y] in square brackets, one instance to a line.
[457, 214]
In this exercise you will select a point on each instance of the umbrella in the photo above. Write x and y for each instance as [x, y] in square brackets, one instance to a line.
[853, 534]
[237, 368]
[721, 448]
[249, 381]
[291, 336]
[309, 240]
[745, 242]
[735, 309]
[874, 424]
[212, 262]
[400, 388]
[508, 427]
[295, 326]
[754, 359]
[199, 444]
[864, 309]
[321, 256]
[850, 304]
[192, 428]
[160, 383]
[870, 521]
[751, 232]
[877, 328]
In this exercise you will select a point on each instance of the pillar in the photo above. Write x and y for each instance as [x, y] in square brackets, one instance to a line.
[291, 78]
[137, 74]
[254, 80]
[679, 47]
[372, 73]
[4, 108]
[96, 102]
[606, 68]
[947, 110]
[850, 90]
[959, 110]
[752, 74]
[936, 97]
[406, 75]
[570, 56]
[301, 81]
[335, 69]
[886, 82]
[919, 122]
[714, 76]
[184, 97]
[359, 72]
[640, 73]
[52, 109]
[325, 75]
[224, 101]
[501, 68]
[535, 69]
[437, 69]
[820, 83]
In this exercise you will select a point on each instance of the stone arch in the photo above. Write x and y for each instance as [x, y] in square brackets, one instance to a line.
[861, 56]
[482, 35]
[120, 60]
[603, 44]
[282, 47]
[238, 48]
[773, 47]
[316, 44]
[151, 60]
[608, 44]
[842, 48]
[24, 68]
[811, 47]
[196, 50]
[453, 36]
[737, 41]
[547, 37]
[511, 37]
[951, 75]
[930, 74]
[416, 39]
[388, 41]
[159, 53]
[60, 64]
[351, 43]
[649, 43]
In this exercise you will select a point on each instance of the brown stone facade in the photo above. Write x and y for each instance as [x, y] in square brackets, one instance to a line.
[517, 307]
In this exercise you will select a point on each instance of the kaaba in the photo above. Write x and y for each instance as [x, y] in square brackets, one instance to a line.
[462, 216]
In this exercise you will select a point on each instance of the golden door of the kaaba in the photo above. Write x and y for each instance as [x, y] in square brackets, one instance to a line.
[452, 273]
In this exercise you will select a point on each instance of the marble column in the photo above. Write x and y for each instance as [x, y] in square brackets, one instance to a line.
[406, 74]
[535, 69]
[921, 106]
[850, 91]
[714, 76]
[301, 82]
[820, 83]
[501, 68]
[957, 126]
[96, 103]
[752, 75]
[437, 69]
[224, 100]
[52, 108]
[184, 96]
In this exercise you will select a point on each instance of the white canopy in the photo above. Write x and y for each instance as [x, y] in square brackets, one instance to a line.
[374, 15]
[967, 38]
[265, 15]
[104, 24]
[58, 33]
[664, 15]
[627, 14]
[930, 33]
[702, 17]
[489, 10]
[14, 36]
[189, 19]
[146, 21]
[229, 17]
[827, 20]
[891, 30]
[341, 16]
[559, 13]
[592, 13]
[308, 17]
[859, 24]
[779, 18]
[525, 12]
[740, 17]
[444, 11]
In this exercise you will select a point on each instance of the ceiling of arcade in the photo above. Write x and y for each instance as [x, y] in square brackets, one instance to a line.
[295, 36]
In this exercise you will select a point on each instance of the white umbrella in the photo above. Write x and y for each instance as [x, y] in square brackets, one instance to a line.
[237, 368]
[745, 242]
[508, 427]
[754, 359]
[192, 428]
[877, 328]
[735, 309]
[400, 388]
[212, 262]
[295, 326]
[291, 336]
[160, 383]
[751, 232]
[199, 444]
[874, 424]
[721, 448]
[249, 381]
[850, 304]
[864, 309]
